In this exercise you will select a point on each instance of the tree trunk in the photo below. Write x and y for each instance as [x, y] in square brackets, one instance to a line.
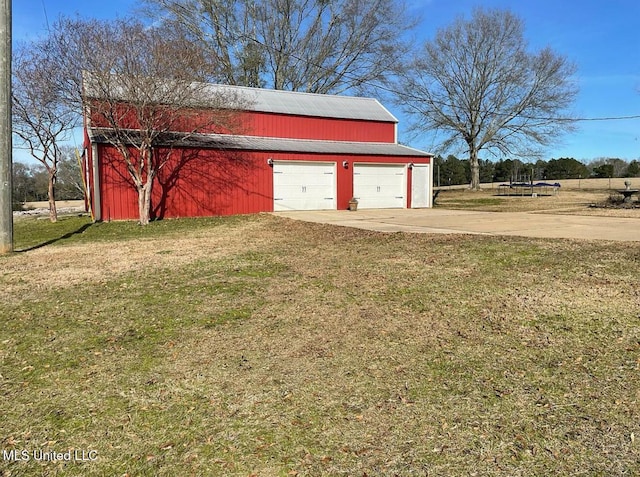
[144, 202]
[53, 212]
[475, 168]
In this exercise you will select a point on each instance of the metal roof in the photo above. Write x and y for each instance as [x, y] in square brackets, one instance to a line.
[308, 104]
[258, 143]
[244, 98]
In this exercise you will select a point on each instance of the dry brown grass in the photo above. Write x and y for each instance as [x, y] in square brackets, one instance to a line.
[271, 347]
[565, 201]
[97, 262]
[569, 184]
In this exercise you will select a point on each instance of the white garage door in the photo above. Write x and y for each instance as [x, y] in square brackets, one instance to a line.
[304, 186]
[379, 186]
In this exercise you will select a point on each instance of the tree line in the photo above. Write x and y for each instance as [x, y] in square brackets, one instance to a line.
[454, 171]
[476, 82]
[31, 181]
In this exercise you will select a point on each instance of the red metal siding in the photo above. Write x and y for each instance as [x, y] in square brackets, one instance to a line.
[191, 184]
[304, 127]
[118, 199]
[211, 182]
[255, 123]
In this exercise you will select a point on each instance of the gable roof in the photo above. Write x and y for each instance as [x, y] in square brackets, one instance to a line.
[241, 97]
[308, 104]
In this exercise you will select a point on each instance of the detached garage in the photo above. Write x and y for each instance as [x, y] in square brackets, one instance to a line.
[297, 151]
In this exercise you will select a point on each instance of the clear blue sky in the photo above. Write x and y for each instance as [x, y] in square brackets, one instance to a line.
[601, 37]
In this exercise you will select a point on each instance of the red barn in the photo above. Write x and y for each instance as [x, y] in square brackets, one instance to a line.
[297, 151]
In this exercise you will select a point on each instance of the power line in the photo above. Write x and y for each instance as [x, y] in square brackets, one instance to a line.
[609, 118]
[46, 18]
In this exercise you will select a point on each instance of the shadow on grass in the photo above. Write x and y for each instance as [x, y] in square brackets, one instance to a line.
[68, 235]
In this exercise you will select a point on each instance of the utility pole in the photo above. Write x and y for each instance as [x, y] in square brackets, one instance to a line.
[6, 153]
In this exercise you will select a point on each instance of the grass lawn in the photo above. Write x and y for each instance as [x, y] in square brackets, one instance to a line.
[263, 346]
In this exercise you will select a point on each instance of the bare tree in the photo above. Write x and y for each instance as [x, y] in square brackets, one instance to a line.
[318, 46]
[478, 86]
[139, 92]
[139, 84]
[70, 182]
[41, 119]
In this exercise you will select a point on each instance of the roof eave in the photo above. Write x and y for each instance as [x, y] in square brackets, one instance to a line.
[284, 145]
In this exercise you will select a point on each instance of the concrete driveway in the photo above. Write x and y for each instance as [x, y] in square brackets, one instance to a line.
[524, 224]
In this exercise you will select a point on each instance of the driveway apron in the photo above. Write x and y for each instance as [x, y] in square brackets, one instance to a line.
[442, 221]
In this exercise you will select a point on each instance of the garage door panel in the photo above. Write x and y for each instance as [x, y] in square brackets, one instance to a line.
[420, 186]
[379, 186]
[304, 186]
